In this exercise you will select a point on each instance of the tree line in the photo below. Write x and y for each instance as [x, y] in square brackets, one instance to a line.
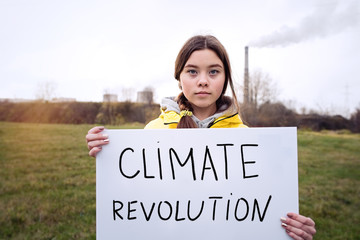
[267, 114]
[78, 112]
[278, 115]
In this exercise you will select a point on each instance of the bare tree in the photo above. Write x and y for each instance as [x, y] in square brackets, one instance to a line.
[127, 94]
[262, 89]
[45, 91]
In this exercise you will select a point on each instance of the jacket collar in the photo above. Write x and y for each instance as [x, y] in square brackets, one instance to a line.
[226, 116]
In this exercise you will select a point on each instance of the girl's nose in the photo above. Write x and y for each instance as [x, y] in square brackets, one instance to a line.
[203, 80]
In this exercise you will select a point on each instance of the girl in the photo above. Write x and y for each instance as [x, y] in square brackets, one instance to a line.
[203, 71]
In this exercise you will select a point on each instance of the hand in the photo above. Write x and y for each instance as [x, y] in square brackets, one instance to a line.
[299, 227]
[95, 140]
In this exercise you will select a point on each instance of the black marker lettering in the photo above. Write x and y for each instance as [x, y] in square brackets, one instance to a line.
[115, 211]
[177, 213]
[236, 207]
[225, 157]
[256, 204]
[247, 162]
[120, 164]
[170, 211]
[197, 216]
[189, 157]
[207, 153]
[147, 217]
[130, 210]
[160, 167]
[227, 209]
[214, 206]
[144, 163]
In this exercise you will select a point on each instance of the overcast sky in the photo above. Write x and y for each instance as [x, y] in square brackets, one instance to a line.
[310, 48]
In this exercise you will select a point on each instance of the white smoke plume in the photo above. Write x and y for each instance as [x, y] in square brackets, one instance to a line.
[327, 19]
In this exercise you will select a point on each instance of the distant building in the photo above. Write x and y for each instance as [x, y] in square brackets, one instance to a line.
[110, 98]
[22, 100]
[145, 97]
[16, 100]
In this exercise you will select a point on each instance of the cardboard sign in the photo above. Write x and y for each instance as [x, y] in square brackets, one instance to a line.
[196, 183]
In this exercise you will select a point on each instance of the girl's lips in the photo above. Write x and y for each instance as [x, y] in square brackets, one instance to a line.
[202, 93]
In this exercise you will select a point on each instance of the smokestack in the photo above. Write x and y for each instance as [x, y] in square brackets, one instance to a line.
[246, 76]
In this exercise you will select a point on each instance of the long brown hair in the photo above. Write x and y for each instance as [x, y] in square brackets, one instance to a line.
[196, 43]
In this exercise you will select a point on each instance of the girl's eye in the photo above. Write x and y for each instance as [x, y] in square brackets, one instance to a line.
[213, 72]
[192, 72]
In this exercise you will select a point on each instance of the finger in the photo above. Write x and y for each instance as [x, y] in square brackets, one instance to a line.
[96, 129]
[302, 219]
[97, 143]
[94, 134]
[301, 222]
[295, 224]
[296, 233]
[92, 137]
[94, 151]
[298, 226]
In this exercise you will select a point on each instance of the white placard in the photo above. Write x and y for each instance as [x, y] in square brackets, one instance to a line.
[196, 183]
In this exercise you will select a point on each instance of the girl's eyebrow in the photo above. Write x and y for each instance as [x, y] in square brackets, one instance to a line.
[215, 65]
[194, 66]
[190, 66]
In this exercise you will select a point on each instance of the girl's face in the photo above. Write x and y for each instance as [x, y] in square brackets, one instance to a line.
[202, 81]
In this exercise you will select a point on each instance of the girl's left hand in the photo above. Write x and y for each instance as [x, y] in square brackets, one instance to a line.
[299, 227]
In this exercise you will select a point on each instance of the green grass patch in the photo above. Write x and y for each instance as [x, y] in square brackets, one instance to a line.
[329, 182]
[47, 182]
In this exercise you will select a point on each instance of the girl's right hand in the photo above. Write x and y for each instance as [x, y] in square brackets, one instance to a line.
[95, 140]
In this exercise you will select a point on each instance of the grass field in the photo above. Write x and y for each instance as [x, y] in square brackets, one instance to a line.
[47, 182]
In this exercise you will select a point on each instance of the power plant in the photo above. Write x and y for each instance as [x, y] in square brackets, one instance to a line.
[246, 77]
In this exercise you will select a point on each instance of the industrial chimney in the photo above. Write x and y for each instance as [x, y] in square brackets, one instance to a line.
[246, 76]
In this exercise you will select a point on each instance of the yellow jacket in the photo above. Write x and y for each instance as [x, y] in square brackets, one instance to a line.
[169, 118]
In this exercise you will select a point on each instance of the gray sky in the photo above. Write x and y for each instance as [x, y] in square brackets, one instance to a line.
[310, 48]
